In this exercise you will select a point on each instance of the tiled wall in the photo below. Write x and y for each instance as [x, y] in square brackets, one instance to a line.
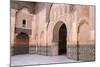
[86, 52]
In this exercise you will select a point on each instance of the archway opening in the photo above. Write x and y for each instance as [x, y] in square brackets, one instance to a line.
[21, 44]
[62, 40]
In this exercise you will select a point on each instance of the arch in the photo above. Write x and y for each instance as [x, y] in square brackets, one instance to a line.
[21, 45]
[83, 35]
[81, 23]
[58, 12]
[56, 31]
[60, 36]
[83, 27]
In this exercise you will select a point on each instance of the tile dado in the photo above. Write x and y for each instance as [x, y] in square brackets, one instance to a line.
[32, 49]
[17, 50]
[41, 50]
[72, 51]
[86, 52]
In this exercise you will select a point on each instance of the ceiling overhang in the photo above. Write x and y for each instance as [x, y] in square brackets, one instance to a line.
[18, 5]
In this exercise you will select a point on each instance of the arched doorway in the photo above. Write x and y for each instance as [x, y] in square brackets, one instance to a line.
[59, 38]
[62, 40]
[21, 45]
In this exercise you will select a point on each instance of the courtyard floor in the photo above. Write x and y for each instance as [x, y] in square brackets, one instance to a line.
[38, 59]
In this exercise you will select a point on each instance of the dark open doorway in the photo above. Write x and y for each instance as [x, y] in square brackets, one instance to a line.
[21, 45]
[62, 40]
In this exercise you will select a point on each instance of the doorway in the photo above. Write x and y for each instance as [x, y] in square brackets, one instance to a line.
[62, 40]
[21, 45]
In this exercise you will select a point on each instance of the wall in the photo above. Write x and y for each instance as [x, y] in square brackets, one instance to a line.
[79, 21]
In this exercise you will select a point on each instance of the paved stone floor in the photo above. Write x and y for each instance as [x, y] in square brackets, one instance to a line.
[38, 59]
